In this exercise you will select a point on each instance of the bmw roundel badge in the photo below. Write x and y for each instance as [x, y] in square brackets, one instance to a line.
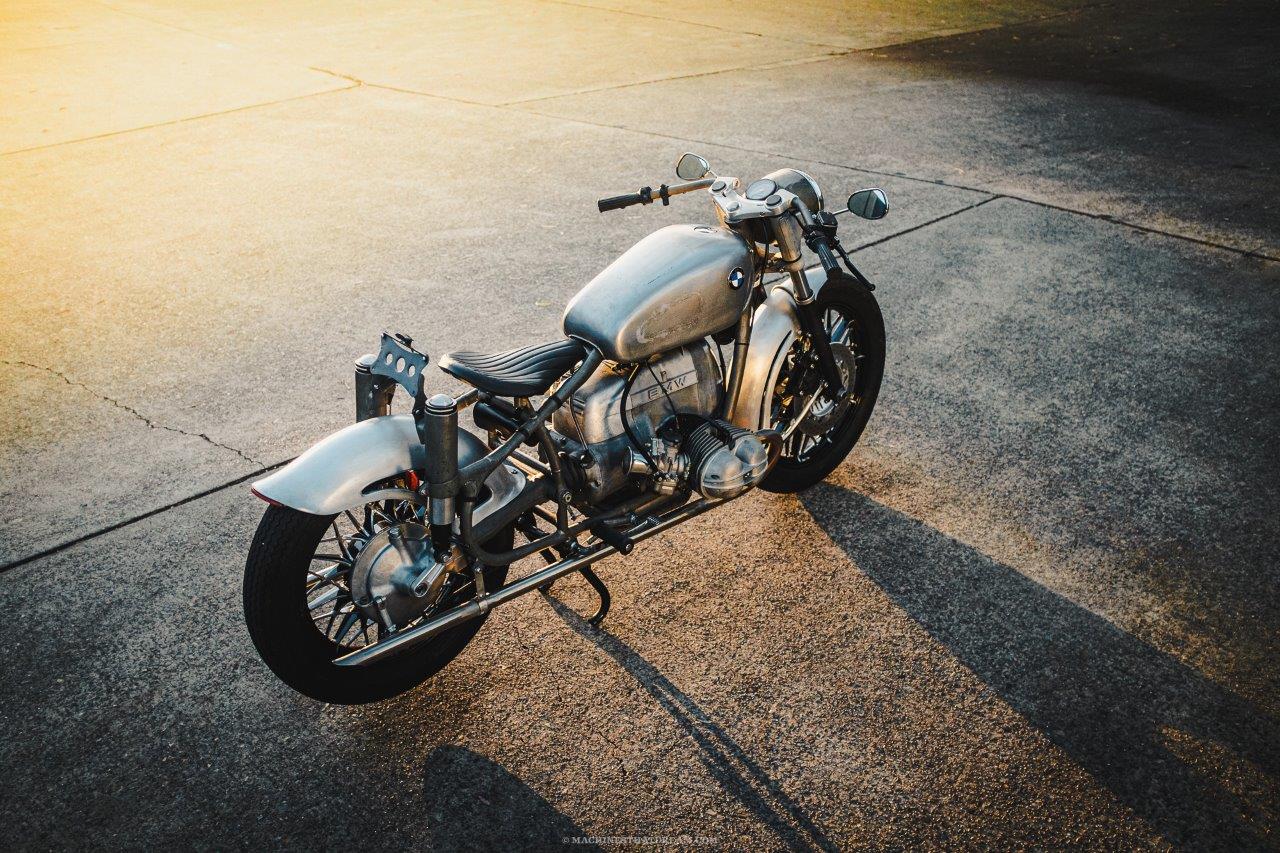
[736, 278]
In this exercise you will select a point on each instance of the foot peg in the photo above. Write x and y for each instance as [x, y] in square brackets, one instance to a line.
[621, 542]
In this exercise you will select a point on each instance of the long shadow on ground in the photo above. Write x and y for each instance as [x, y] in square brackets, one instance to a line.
[726, 761]
[1195, 760]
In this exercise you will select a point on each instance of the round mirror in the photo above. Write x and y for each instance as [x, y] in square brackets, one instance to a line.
[691, 167]
[869, 204]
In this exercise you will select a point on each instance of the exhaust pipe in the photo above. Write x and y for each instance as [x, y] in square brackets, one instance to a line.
[478, 607]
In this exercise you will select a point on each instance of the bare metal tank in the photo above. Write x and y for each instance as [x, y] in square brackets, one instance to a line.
[675, 286]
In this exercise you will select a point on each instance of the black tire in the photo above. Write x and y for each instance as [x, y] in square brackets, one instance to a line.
[289, 642]
[856, 302]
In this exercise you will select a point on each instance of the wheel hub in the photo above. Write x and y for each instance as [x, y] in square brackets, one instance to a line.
[824, 414]
[396, 576]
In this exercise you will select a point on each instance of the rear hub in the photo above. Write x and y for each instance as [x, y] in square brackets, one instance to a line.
[396, 577]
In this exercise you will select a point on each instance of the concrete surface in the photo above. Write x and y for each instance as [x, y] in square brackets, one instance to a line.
[1036, 607]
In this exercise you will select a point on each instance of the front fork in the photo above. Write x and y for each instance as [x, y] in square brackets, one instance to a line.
[790, 237]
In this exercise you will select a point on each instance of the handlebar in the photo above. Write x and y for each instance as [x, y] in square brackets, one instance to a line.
[646, 195]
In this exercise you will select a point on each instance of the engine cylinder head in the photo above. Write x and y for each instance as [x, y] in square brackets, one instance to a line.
[725, 460]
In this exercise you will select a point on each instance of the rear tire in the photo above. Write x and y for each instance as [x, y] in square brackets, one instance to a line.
[281, 627]
[854, 302]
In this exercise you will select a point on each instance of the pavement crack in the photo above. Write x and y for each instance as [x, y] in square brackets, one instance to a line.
[339, 75]
[75, 383]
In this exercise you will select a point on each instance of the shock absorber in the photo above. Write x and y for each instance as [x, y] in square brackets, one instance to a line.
[440, 435]
[373, 391]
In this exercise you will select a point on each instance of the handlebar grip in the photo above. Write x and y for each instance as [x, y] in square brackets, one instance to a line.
[828, 260]
[618, 202]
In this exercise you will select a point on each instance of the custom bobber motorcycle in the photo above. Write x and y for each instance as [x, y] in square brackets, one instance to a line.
[704, 362]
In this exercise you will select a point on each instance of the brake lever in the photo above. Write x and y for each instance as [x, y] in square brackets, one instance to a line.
[844, 256]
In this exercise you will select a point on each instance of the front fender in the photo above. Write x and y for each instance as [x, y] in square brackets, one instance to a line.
[334, 473]
[773, 327]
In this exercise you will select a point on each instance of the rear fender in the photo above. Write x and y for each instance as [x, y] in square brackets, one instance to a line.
[338, 472]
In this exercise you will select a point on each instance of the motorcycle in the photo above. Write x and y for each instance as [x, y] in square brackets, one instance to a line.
[385, 546]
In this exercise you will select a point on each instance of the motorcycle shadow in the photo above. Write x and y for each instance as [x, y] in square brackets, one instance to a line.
[475, 803]
[1132, 716]
[724, 759]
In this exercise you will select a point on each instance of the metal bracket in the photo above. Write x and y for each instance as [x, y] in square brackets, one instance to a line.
[399, 361]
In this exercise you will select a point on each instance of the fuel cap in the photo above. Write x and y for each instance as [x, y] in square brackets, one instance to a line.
[761, 189]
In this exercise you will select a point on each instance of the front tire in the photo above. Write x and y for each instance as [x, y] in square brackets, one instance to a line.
[849, 312]
[283, 631]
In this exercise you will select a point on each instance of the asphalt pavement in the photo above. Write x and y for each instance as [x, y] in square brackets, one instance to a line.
[1036, 607]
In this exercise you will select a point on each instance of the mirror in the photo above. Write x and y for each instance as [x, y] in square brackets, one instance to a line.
[869, 204]
[691, 167]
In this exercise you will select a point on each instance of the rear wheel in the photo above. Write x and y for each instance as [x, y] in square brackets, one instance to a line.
[817, 433]
[301, 615]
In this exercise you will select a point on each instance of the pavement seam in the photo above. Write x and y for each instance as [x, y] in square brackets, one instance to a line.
[75, 383]
[102, 531]
[683, 22]
[936, 219]
[835, 52]
[174, 121]
[937, 182]
[799, 60]
[159, 23]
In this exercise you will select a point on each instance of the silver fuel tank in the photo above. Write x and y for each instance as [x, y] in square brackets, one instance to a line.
[677, 285]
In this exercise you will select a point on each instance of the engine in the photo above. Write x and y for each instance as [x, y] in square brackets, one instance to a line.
[673, 441]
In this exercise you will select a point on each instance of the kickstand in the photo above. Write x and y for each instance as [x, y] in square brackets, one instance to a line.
[601, 590]
[596, 584]
[530, 529]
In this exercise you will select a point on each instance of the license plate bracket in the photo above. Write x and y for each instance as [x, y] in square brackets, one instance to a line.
[399, 361]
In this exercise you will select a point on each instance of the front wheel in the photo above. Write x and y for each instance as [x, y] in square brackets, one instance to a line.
[301, 613]
[818, 434]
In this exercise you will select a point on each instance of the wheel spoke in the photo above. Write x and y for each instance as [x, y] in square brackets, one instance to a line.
[356, 525]
[329, 595]
[380, 512]
[342, 543]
